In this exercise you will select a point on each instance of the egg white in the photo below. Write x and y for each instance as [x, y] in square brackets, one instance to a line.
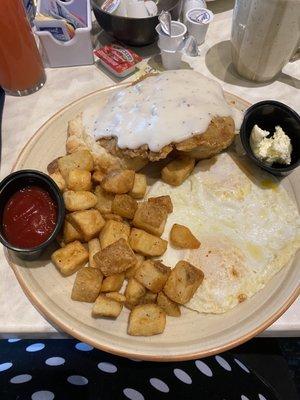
[248, 226]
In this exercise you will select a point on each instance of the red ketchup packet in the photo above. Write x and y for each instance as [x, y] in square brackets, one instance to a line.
[117, 59]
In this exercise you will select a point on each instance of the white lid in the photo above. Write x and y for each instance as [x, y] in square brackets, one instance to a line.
[200, 16]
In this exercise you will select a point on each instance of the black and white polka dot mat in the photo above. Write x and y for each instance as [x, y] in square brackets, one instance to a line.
[71, 370]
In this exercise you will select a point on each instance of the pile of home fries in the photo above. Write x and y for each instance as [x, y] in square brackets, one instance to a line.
[120, 239]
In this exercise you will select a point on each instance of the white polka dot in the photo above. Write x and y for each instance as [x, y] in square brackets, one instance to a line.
[35, 347]
[13, 340]
[244, 397]
[21, 378]
[133, 394]
[223, 363]
[107, 367]
[240, 364]
[203, 368]
[159, 385]
[77, 380]
[5, 366]
[55, 361]
[261, 397]
[83, 346]
[182, 376]
[42, 395]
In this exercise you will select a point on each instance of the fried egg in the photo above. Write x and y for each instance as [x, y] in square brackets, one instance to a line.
[248, 226]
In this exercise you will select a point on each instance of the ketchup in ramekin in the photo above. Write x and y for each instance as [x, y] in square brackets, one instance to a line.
[31, 213]
[29, 217]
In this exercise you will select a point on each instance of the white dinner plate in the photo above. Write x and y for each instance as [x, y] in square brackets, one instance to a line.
[188, 337]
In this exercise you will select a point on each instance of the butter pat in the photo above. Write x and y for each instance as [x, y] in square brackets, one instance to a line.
[275, 149]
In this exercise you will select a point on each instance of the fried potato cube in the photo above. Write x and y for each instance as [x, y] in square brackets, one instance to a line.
[94, 247]
[88, 222]
[70, 258]
[177, 171]
[153, 275]
[70, 233]
[150, 217]
[79, 179]
[146, 320]
[116, 296]
[118, 181]
[130, 272]
[53, 166]
[111, 216]
[182, 237]
[134, 292]
[149, 297]
[78, 201]
[162, 201]
[104, 200]
[146, 244]
[115, 258]
[124, 205]
[87, 285]
[106, 307]
[113, 283]
[59, 180]
[170, 307]
[139, 186]
[183, 282]
[113, 231]
[81, 159]
[98, 176]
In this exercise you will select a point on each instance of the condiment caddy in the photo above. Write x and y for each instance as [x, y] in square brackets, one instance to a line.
[76, 14]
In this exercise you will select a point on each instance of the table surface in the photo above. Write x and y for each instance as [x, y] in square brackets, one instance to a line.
[23, 116]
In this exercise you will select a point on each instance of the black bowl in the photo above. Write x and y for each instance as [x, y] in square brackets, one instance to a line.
[268, 114]
[18, 180]
[134, 31]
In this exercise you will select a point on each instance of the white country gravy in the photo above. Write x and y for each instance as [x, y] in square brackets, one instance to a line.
[161, 109]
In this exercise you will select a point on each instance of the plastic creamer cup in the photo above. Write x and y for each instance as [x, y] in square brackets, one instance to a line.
[171, 43]
[136, 9]
[198, 20]
[130, 8]
[171, 59]
[190, 5]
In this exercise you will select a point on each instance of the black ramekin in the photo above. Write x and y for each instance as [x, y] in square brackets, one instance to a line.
[268, 114]
[18, 180]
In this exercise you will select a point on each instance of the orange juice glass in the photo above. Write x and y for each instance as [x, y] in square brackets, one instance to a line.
[21, 67]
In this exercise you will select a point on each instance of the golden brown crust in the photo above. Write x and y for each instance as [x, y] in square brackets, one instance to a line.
[142, 153]
[107, 155]
[75, 126]
[105, 160]
[218, 136]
